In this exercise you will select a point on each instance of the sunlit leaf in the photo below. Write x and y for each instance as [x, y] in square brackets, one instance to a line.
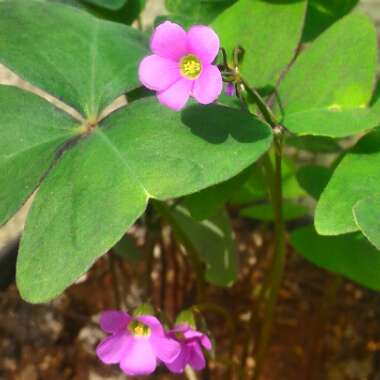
[356, 177]
[327, 90]
[367, 217]
[102, 185]
[269, 32]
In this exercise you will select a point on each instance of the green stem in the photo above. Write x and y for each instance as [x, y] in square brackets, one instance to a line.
[278, 260]
[190, 374]
[252, 96]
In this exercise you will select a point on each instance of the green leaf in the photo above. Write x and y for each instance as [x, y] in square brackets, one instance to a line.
[109, 4]
[143, 309]
[101, 186]
[176, 154]
[264, 212]
[322, 13]
[85, 61]
[211, 239]
[269, 31]
[127, 249]
[206, 202]
[290, 187]
[356, 177]
[256, 188]
[31, 131]
[186, 317]
[126, 14]
[314, 144]
[367, 217]
[196, 11]
[313, 179]
[81, 210]
[328, 95]
[349, 255]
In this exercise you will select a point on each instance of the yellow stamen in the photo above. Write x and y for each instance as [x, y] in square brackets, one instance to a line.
[190, 66]
[139, 329]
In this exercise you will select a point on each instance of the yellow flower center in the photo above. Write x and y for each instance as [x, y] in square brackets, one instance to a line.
[138, 329]
[190, 66]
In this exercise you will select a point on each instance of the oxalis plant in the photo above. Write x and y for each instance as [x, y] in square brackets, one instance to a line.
[221, 100]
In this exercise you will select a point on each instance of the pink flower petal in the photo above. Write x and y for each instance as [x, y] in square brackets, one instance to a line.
[169, 40]
[140, 358]
[191, 334]
[209, 85]
[113, 321]
[166, 349]
[179, 364]
[112, 349]
[176, 96]
[154, 324]
[181, 328]
[206, 342]
[203, 42]
[196, 358]
[158, 73]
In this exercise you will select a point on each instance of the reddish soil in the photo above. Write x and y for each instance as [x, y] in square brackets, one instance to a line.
[313, 338]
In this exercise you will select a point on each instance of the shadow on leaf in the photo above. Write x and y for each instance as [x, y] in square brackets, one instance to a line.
[215, 124]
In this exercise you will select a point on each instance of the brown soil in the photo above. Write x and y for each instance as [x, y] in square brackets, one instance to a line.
[310, 342]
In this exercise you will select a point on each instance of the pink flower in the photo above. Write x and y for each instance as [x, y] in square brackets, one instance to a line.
[181, 65]
[191, 342]
[135, 343]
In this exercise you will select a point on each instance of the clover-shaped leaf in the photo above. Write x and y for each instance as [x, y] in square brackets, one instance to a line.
[327, 90]
[356, 177]
[269, 32]
[367, 217]
[348, 255]
[97, 174]
[85, 61]
[31, 133]
[100, 186]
